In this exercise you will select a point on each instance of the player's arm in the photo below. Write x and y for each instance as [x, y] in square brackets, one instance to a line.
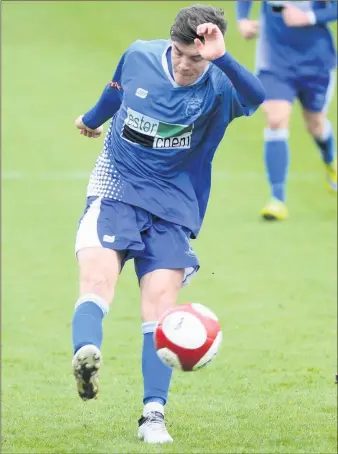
[294, 17]
[250, 91]
[243, 9]
[248, 28]
[325, 15]
[105, 108]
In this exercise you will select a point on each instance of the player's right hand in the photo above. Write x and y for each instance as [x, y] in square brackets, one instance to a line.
[87, 132]
[248, 28]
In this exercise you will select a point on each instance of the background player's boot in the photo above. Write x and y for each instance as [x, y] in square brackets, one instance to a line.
[275, 210]
[151, 427]
[331, 176]
[86, 364]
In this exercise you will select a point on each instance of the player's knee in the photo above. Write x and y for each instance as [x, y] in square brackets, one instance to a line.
[99, 271]
[315, 125]
[276, 121]
[159, 292]
[156, 302]
[277, 114]
[98, 283]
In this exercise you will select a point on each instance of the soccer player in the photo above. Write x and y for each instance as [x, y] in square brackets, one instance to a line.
[170, 102]
[295, 58]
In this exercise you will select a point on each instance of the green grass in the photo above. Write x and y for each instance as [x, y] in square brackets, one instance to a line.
[273, 286]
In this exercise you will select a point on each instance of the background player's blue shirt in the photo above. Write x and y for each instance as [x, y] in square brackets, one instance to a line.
[161, 141]
[285, 49]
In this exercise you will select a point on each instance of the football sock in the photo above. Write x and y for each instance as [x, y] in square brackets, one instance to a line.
[87, 321]
[276, 155]
[156, 375]
[153, 406]
[326, 143]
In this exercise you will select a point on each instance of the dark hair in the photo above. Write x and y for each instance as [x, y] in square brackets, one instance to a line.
[184, 27]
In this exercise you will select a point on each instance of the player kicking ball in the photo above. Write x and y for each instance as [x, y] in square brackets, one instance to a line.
[170, 102]
[295, 58]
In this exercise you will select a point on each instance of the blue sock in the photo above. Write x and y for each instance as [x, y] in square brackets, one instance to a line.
[156, 375]
[326, 143]
[276, 154]
[87, 321]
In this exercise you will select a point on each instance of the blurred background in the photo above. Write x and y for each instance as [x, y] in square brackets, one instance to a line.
[273, 286]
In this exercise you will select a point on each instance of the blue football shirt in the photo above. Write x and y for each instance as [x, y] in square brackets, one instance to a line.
[160, 144]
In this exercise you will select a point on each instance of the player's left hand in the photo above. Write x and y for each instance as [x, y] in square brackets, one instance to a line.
[294, 17]
[214, 46]
[87, 132]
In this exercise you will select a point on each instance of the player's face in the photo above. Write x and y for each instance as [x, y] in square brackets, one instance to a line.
[188, 65]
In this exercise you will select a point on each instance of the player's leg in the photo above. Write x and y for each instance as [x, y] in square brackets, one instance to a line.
[167, 263]
[98, 249]
[159, 291]
[315, 98]
[99, 269]
[320, 128]
[277, 108]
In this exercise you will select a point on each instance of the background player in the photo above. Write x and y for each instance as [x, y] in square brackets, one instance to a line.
[295, 58]
[170, 104]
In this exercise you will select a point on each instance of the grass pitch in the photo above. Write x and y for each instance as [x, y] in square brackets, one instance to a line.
[273, 286]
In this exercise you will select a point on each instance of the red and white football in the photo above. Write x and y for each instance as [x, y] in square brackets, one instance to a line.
[188, 336]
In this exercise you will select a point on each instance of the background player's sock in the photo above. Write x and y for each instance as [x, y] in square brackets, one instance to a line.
[87, 321]
[156, 375]
[276, 154]
[326, 143]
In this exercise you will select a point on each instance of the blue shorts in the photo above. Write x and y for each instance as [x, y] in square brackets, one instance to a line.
[152, 242]
[315, 92]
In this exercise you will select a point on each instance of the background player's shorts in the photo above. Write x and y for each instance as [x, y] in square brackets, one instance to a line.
[315, 92]
[152, 242]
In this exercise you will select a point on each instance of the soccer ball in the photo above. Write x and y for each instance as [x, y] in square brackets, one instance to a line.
[188, 336]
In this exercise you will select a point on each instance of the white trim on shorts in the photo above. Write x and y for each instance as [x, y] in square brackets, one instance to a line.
[87, 235]
[189, 273]
[330, 91]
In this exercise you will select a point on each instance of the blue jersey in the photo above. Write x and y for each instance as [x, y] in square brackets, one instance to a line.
[284, 49]
[161, 141]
